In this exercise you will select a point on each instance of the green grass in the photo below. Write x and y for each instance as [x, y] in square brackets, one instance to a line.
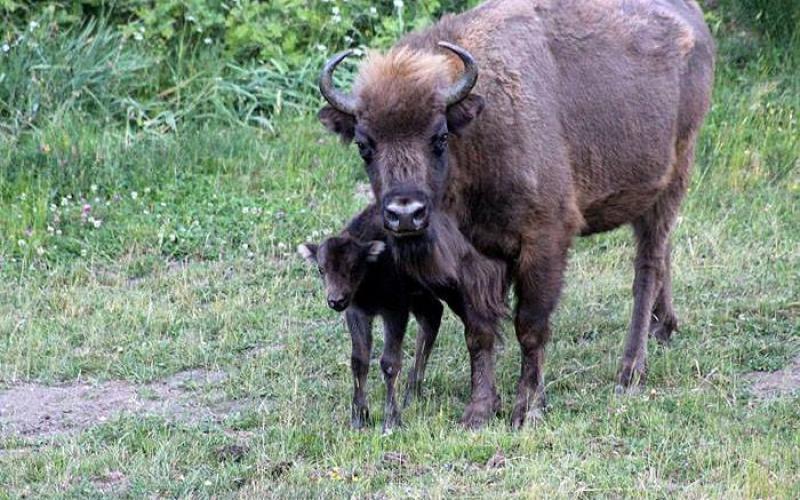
[197, 269]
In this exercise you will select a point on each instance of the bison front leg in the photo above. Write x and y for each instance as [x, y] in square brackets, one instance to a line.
[360, 326]
[484, 401]
[539, 281]
[391, 362]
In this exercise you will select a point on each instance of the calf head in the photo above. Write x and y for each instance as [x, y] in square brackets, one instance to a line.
[403, 108]
[342, 262]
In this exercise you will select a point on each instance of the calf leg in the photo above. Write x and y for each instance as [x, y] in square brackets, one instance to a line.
[539, 281]
[428, 311]
[391, 362]
[360, 326]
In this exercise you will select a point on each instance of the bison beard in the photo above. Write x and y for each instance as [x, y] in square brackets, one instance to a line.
[584, 118]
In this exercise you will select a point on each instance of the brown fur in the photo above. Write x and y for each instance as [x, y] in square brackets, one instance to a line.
[591, 113]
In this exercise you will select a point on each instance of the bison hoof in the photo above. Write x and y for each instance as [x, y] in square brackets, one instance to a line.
[528, 410]
[359, 418]
[478, 413]
[662, 330]
[391, 422]
[632, 377]
[412, 392]
[530, 417]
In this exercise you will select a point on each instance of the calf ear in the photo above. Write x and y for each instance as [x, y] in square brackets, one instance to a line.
[308, 251]
[462, 113]
[376, 248]
[339, 123]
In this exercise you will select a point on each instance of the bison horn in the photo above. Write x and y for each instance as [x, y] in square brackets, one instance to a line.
[339, 100]
[461, 89]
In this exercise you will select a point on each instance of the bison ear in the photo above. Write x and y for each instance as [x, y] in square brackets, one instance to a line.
[339, 123]
[376, 248]
[308, 251]
[462, 113]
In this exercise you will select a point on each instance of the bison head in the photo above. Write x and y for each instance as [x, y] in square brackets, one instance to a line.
[404, 106]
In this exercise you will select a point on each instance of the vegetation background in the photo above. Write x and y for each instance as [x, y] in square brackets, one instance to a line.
[159, 161]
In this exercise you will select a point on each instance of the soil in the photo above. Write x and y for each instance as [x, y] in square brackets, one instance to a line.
[769, 385]
[33, 410]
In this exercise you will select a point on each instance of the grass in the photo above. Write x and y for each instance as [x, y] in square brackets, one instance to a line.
[192, 265]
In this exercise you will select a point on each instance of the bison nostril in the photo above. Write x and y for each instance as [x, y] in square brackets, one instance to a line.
[420, 215]
[391, 216]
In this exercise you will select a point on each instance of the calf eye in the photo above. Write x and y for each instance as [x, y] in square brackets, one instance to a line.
[321, 271]
[440, 144]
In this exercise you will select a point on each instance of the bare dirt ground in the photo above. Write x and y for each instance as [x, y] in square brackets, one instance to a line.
[768, 385]
[35, 411]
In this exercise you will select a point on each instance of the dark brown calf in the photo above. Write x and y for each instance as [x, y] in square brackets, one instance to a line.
[363, 280]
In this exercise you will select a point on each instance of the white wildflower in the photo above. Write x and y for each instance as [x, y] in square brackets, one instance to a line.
[40, 251]
[134, 195]
[6, 47]
[373, 11]
[207, 40]
[398, 4]
[22, 243]
[93, 188]
[33, 25]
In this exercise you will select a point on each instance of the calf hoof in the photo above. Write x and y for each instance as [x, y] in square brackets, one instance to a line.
[662, 330]
[477, 414]
[359, 418]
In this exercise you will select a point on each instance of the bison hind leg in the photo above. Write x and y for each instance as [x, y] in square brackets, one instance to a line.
[664, 321]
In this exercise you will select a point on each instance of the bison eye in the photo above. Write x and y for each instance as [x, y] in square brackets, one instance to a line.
[321, 271]
[364, 149]
[440, 144]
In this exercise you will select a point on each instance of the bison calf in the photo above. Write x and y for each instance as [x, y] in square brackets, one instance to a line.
[363, 280]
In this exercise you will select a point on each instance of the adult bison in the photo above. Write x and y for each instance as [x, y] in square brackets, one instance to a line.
[584, 118]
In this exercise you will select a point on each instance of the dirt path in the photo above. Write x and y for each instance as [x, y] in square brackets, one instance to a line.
[784, 382]
[35, 410]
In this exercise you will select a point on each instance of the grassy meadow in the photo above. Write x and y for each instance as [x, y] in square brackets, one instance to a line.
[149, 212]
